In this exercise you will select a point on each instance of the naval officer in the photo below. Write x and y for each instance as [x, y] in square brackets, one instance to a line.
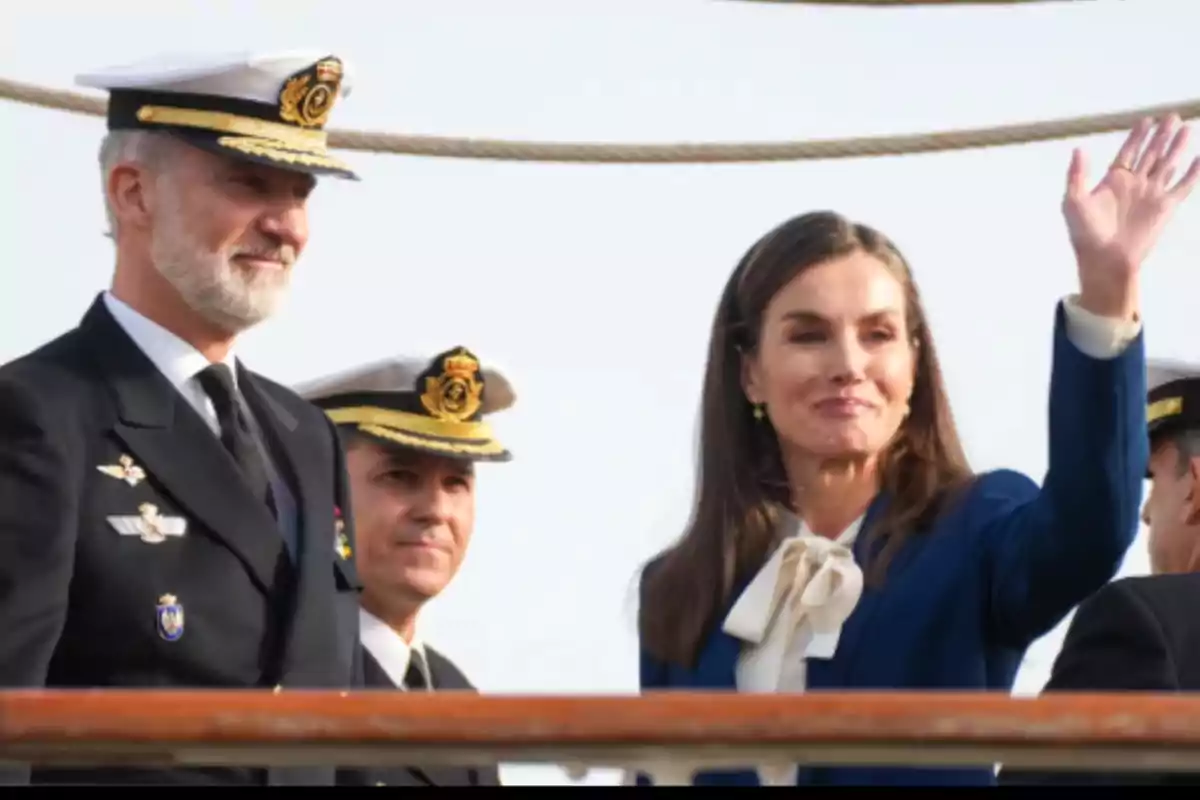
[414, 430]
[167, 516]
[1142, 633]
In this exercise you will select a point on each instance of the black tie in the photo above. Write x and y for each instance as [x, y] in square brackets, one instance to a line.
[236, 435]
[413, 677]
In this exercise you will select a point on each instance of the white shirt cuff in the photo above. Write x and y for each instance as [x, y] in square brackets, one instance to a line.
[1096, 336]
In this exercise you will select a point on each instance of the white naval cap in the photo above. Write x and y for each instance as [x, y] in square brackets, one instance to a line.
[269, 108]
[1173, 394]
[434, 404]
[1161, 371]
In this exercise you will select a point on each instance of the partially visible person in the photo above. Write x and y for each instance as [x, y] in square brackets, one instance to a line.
[166, 514]
[840, 540]
[414, 430]
[1142, 634]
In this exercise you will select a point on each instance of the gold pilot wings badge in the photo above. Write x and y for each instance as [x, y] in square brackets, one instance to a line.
[124, 470]
[150, 526]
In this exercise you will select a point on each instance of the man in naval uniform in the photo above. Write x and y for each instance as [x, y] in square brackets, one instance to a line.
[1142, 634]
[167, 516]
[413, 431]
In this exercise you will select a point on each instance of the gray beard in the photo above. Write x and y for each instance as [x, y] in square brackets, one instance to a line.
[210, 283]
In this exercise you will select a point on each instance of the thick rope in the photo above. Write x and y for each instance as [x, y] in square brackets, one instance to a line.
[677, 153]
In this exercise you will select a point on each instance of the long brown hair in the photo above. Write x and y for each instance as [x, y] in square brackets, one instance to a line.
[741, 485]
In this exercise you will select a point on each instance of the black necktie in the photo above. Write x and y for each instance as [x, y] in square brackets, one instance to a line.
[413, 677]
[236, 435]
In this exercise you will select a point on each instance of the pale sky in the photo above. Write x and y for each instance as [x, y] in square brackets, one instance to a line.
[594, 285]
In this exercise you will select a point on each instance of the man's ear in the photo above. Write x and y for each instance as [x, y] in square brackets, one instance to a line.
[1193, 497]
[129, 192]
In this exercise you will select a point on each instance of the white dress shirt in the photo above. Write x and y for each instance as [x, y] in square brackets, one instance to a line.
[391, 651]
[177, 360]
[794, 608]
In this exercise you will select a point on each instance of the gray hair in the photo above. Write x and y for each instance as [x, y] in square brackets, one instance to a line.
[148, 148]
[1187, 444]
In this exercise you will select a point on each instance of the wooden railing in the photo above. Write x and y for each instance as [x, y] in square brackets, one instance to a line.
[250, 728]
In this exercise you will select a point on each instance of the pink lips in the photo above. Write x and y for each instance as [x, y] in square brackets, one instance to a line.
[842, 407]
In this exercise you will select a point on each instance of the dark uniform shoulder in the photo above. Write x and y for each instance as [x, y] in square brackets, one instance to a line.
[307, 415]
[64, 355]
[1165, 595]
[282, 393]
[1153, 585]
[55, 375]
[446, 672]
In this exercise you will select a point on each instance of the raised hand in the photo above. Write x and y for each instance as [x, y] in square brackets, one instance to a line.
[1114, 226]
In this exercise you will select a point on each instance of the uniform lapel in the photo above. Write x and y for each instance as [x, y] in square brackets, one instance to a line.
[309, 471]
[446, 679]
[377, 678]
[178, 450]
[374, 674]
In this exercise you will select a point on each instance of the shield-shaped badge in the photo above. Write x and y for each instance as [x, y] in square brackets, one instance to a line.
[170, 617]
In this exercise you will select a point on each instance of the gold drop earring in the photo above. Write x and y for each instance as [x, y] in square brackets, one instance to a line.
[758, 412]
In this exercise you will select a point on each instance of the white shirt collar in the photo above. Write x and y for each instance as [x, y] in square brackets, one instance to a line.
[390, 650]
[174, 358]
[791, 526]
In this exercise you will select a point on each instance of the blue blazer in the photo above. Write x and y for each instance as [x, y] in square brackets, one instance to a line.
[963, 600]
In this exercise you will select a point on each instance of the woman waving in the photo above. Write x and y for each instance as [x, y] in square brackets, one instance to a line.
[839, 540]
